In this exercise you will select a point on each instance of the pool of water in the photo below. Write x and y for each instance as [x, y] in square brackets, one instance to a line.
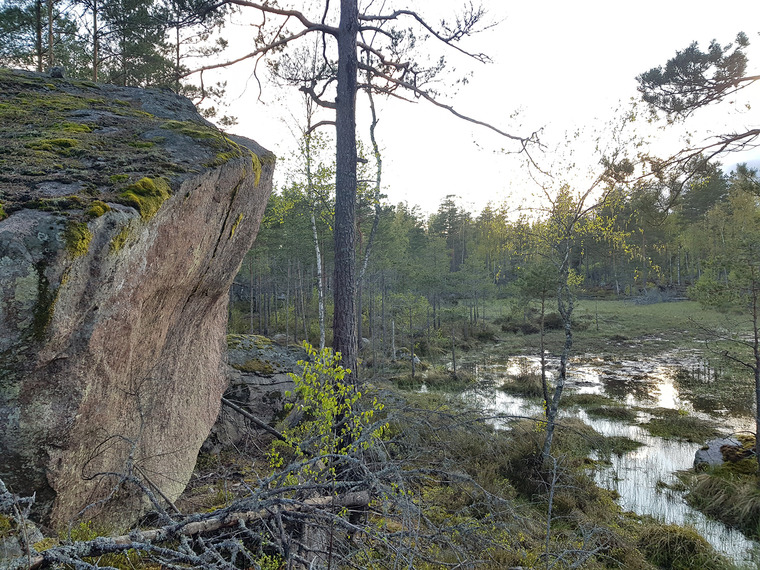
[634, 475]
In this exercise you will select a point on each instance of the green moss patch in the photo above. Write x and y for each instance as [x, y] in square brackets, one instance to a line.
[53, 145]
[6, 526]
[118, 178]
[142, 144]
[97, 208]
[68, 127]
[226, 148]
[146, 196]
[235, 225]
[255, 366]
[119, 240]
[3, 215]
[77, 237]
[246, 341]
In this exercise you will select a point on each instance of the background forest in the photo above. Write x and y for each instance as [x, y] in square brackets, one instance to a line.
[650, 244]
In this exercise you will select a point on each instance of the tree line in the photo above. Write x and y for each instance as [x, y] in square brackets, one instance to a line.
[653, 241]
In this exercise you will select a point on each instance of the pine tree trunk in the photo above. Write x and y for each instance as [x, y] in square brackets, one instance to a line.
[344, 320]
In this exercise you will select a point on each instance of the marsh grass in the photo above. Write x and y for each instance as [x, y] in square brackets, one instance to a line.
[623, 328]
[599, 406]
[678, 548]
[527, 384]
[729, 492]
[675, 424]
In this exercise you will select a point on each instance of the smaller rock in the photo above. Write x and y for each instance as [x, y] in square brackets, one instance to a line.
[711, 453]
[17, 543]
[57, 72]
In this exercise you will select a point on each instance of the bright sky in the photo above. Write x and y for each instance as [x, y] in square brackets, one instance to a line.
[562, 65]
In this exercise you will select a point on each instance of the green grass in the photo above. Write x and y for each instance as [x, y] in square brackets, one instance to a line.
[621, 327]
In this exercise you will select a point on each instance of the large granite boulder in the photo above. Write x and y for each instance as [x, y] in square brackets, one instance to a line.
[124, 217]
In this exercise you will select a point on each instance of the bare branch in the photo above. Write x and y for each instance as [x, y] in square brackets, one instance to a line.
[267, 8]
[426, 95]
[463, 28]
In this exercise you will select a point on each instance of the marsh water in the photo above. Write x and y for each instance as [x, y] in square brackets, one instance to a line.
[637, 476]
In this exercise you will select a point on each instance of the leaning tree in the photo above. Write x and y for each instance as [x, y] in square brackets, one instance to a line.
[380, 47]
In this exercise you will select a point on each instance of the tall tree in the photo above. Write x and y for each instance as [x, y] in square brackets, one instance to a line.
[389, 64]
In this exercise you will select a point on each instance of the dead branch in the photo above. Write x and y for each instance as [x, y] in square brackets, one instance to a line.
[145, 540]
[253, 419]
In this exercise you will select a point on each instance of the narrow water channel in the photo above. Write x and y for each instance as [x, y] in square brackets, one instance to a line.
[636, 474]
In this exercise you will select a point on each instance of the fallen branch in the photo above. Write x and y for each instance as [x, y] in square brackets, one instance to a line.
[138, 539]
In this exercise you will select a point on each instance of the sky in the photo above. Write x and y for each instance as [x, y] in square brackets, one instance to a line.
[566, 69]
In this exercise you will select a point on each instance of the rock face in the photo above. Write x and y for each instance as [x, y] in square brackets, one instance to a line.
[124, 218]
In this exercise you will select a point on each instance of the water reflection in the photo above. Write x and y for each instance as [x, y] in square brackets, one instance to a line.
[635, 475]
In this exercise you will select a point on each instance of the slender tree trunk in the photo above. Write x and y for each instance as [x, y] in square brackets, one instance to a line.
[251, 283]
[756, 353]
[453, 352]
[678, 265]
[565, 304]
[344, 319]
[38, 30]
[287, 306]
[95, 46]
[259, 304]
[51, 57]
[411, 340]
[393, 338]
[544, 384]
[382, 310]
[303, 302]
[320, 283]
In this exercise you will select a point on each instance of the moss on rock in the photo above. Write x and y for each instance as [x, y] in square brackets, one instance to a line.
[236, 224]
[119, 240]
[77, 237]
[255, 366]
[146, 196]
[97, 208]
